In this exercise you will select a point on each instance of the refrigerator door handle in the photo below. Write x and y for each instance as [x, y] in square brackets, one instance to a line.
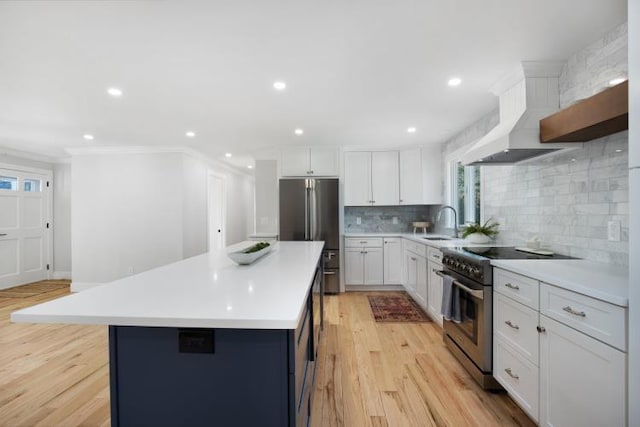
[313, 210]
[306, 210]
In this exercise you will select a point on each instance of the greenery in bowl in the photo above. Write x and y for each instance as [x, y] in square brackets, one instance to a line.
[490, 228]
[257, 247]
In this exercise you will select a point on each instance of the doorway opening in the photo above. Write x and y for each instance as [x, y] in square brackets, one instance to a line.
[216, 206]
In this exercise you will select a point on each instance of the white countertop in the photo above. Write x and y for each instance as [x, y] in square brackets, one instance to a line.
[605, 282]
[206, 291]
[420, 238]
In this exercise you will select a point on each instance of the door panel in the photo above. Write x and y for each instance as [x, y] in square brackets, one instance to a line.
[411, 177]
[327, 225]
[295, 161]
[385, 188]
[292, 209]
[32, 254]
[9, 257]
[354, 266]
[373, 266]
[8, 211]
[357, 178]
[24, 237]
[323, 161]
[32, 212]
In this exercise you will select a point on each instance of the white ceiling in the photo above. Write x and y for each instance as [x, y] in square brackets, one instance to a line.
[358, 72]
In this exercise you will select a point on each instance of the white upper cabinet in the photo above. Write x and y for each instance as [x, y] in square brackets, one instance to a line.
[384, 178]
[411, 177]
[309, 161]
[357, 178]
[371, 178]
[391, 178]
[431, 175]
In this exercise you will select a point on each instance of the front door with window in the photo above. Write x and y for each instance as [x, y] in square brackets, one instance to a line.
[24, 232]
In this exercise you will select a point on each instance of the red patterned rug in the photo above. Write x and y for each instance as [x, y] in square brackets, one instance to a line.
[396, 308]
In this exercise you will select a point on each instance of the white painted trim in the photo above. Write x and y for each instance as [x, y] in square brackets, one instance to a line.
[352, 288]
[83, 286]
[6, 151]
[154, 149]
[27, 169]
[348, 148]
[61, 275]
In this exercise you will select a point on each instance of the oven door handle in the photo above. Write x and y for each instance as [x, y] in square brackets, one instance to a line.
[476, 294]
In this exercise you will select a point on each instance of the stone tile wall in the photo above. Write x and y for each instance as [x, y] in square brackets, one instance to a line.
[567, 199]
[379, 219]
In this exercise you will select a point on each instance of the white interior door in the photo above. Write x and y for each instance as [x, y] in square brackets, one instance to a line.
[216, 213]
[24, 227]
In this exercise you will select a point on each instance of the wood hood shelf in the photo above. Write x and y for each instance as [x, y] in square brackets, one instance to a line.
[602, 114]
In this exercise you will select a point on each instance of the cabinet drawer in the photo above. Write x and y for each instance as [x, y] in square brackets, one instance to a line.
[363, 242]
[516, 324]
[434, 255]
[416, 248]
[598, 319]
[518, 376]
[521, 288]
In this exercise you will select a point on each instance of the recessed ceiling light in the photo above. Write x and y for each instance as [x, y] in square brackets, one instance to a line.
[411, 130]
[298, 131]
[617, 81]
[279, 85]
[454, 81]
[250, 167]
[573, 160]
[506, 150]
[88, 137]
[115, 92]
[227, 154]
[618, 151]
[190, 134]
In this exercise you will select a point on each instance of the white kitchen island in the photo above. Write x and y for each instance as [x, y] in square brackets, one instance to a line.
[204, 341]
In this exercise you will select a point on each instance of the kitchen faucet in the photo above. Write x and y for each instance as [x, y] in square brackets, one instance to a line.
[455, 218]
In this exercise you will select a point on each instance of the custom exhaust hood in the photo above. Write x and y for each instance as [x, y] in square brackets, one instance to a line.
[526, 96]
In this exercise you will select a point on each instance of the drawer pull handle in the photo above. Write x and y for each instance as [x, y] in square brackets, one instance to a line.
[508, 323]
[514, 287]
[363, 241]
[364, 252]
[511, 374]
[413, 259]
[568, 309]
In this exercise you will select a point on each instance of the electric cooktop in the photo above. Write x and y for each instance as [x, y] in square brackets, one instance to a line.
[507, 252]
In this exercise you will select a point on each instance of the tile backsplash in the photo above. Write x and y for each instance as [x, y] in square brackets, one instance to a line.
[379, 219]
[566, 200]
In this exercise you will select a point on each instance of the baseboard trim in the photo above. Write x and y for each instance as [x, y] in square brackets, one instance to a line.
[83, 286]
[61, 275]
[351, 288]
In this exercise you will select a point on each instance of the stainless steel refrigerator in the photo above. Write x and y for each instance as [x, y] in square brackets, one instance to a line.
[309, 211]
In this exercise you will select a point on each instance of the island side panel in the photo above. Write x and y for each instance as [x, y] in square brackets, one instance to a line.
[243, 382]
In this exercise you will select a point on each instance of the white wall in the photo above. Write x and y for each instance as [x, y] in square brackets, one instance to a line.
[62, 220]
[266, 173]
[240, 207]
[126, 214]
[194, 198]
[137, 211]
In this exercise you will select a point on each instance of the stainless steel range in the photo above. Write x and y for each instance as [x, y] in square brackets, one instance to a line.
[471, 339]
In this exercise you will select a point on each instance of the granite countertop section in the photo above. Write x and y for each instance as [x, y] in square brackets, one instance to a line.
[206, 291]
[605, 282]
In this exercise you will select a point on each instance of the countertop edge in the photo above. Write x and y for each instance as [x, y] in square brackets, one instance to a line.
[563, 283]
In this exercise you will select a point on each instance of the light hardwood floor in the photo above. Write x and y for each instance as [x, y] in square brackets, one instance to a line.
[371, 374]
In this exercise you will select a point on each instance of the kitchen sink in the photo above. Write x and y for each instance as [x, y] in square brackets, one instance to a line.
[437, 238]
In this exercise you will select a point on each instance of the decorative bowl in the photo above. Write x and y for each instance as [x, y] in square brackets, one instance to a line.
[242, 258]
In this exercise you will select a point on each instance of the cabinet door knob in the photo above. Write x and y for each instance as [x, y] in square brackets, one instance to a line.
[540, 329]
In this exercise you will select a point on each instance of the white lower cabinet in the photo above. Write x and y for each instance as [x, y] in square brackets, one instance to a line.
[392, 260]
[582, 380]
[517, 375]
[556, 369]
[363, 266]
[434, 294]
[415, 276]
